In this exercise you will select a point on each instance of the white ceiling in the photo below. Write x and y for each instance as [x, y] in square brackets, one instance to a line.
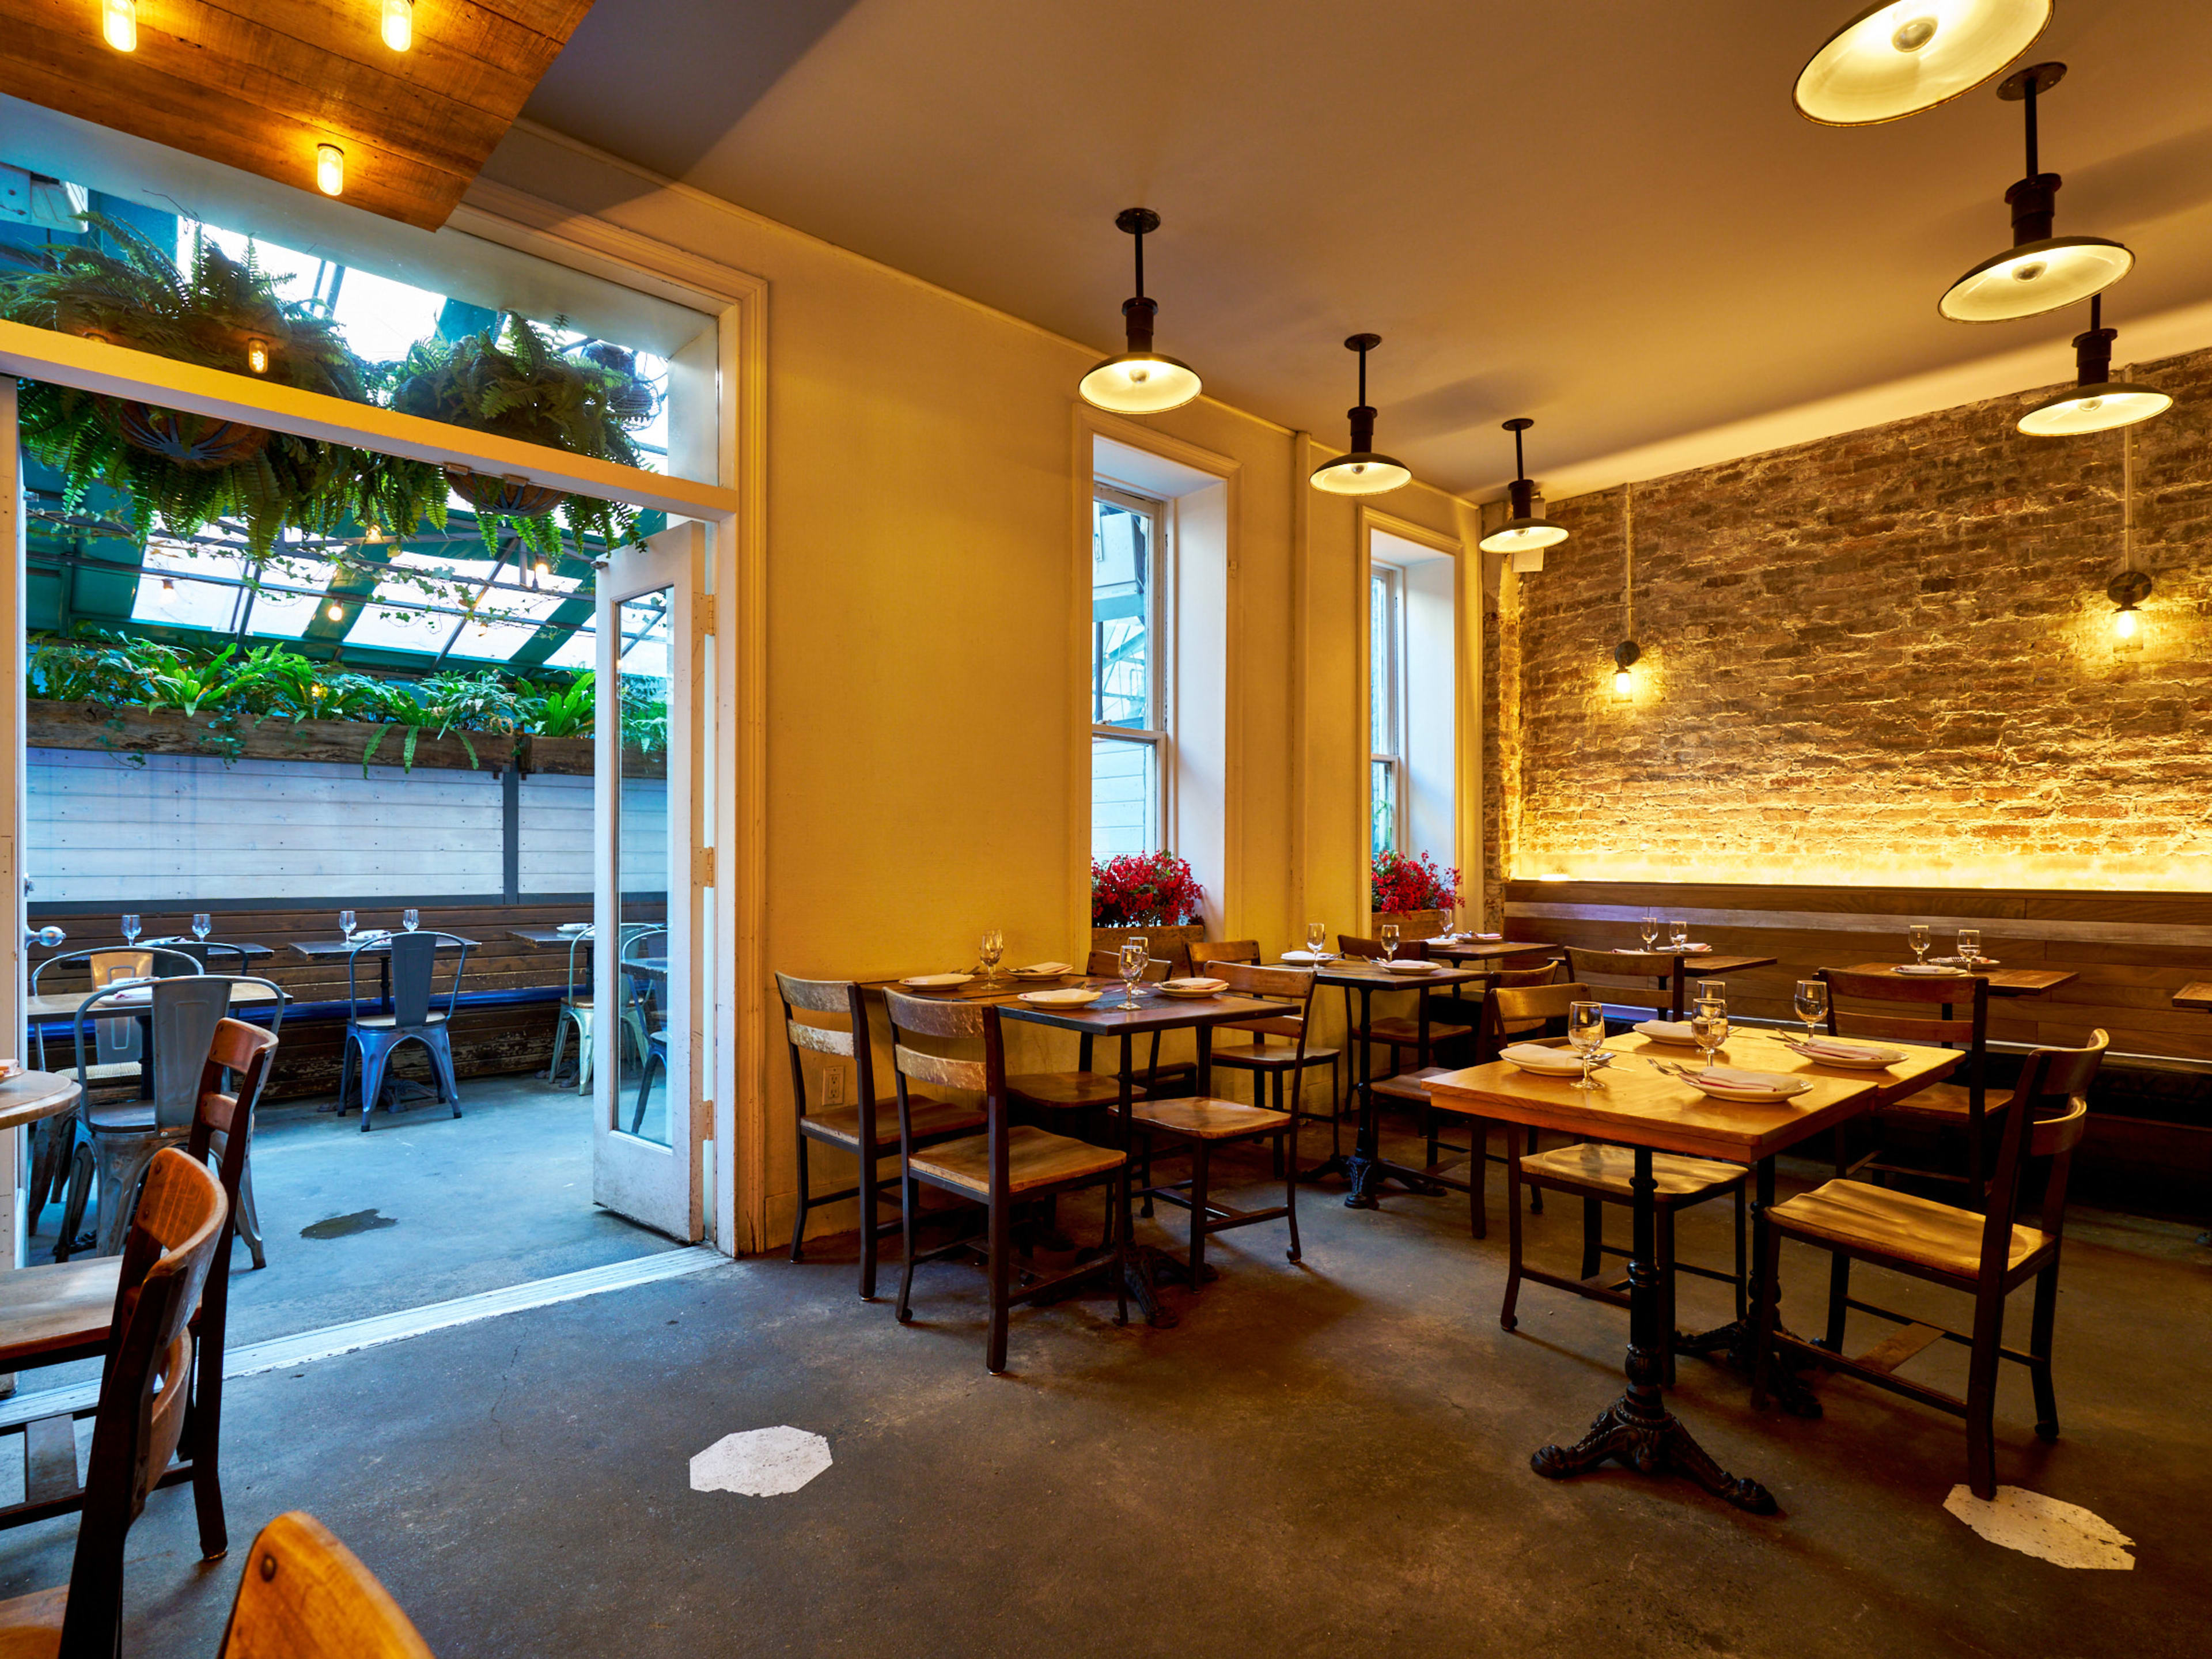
[1604, 215]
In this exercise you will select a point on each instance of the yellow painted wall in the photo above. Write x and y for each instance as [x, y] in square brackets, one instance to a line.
[922, 759]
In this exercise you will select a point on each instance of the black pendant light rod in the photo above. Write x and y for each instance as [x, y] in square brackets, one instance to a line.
[2033, 200]
[1363, 418]
[1138, 312]
[1521, 494]
[2032, 169]
[2093, 351]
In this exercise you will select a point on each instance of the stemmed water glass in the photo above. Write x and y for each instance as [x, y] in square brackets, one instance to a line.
[346, 925]
[202, 924]
[130, 930]
[1709, 1023]
[410, 920]
[1586, 1033]
[1135, 953]
[1916, 936]
[1811, 1003]
[1389, 933]
[1651, 929]
[1316, 937]
[1970, 946]
[1678, 933]
[993, 946]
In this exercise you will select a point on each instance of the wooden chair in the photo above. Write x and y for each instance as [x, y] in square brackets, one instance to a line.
[867, 1128]
[1987, 1256]
[1278, 1043]
[1083, 1090]
[1599, 1175]
[305, 1595]
[52, 1315]
[1201, 1124]
[1945, 1110]
[1629, 979]
[140, 1420]
[1396, 1032]
[1008, 1165]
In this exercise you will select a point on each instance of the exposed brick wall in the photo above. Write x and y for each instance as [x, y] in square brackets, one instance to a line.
[1885, 657]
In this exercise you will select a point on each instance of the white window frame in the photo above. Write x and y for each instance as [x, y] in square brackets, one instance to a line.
[1393, 648]
[1157, 732]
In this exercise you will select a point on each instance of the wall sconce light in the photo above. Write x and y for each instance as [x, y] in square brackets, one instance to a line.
[2038, 272]
[256, 356]
[1360, 470]
[1899, 57]
[118, 24]
[2128, 590]
[2097, 402]
[329, 169]
[1624, 658]
[1139, 382]
[1523, 530]
[399, 24]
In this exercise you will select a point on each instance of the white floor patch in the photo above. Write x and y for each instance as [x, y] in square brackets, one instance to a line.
[2064, 1534]
[761, 1463]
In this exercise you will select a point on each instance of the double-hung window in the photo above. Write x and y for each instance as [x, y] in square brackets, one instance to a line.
[1129, 758]
[1386, 703]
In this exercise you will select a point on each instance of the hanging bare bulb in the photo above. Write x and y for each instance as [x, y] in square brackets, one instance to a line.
[329, 169]
[334, 611]
[399, 24]
[118, 24]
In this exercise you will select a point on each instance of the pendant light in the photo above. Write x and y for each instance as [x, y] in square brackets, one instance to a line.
[1523, 530]
[1141, 381]
[2097, 402]
[1900, 57]
[2038, 272]
[1362, 471]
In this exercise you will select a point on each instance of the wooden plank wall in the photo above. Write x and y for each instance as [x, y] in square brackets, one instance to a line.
[486, 1041]
[2131, 950]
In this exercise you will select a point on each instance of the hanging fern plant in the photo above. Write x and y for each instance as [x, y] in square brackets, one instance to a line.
[185, 471]
[510, 380]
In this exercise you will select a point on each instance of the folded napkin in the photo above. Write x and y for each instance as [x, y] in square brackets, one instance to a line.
[1961, 962]
[1538, 1058]
[1196, 984]
[1487, 939]
[1410, 965]
[1728, 1076]
[1820, 1046]
[1043, 968]
[1680, 1030]
[1928, 968]
[1072, 994]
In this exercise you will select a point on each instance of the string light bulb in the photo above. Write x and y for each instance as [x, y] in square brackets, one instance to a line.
[334, 611]
[256, 356]
[543, 570]
[118, 24]
[329, 169]
[399, 24]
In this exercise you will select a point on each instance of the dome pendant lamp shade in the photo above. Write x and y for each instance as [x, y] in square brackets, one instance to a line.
[1139, 382]
[2097, 402]
[1362, 471]
[1903, 56]
[1523, 530]
[2039, 271]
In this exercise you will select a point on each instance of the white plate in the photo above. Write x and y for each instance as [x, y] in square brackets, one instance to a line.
[571, 927]
[1917, 970]
[1308, 957]
[936, 982]
[1660, 1030]
[1570, 1063]
[1031, 975]
[1410, 968]
[1868, 1063]
[1796, 1086]
[1073, 997]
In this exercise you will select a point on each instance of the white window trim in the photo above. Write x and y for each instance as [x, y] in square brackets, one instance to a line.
[1159, 670]
[1394, 677]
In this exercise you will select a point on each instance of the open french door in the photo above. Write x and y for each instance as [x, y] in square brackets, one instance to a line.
[652, 1065]
[13, 973]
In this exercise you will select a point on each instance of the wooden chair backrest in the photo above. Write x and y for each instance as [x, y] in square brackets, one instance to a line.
[1513, 979]
[1277, 984]
[2049, 1114]
[927, 1016]
[1915, 993]
[1625, 976]
[304, 1595]
[1409, 950]
[816, 996]
[1203, 955]
[1516, 1004]
[1107, 964]
[145, 1386]
[1549, 959]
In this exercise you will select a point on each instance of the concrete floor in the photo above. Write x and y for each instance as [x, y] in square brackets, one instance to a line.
[1323, 1458]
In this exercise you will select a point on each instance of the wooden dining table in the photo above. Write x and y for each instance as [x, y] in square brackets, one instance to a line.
[1635, 1104]
[1480, 950]
[2003, 981]
[2195, 996]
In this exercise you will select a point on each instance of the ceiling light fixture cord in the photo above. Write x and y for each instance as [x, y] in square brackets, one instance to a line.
[1628, 562]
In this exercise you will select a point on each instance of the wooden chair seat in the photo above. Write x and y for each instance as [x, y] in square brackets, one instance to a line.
[1411, 1087]
[932, 1120]
[1204, 1119]
[1069, 1088]
[1404, 1032]
[55, 1308]
[31, 1626]
[1035, 1157]
[1950, 1103]
[1940, 1237]
[1269, 1057]
[1600, 1171]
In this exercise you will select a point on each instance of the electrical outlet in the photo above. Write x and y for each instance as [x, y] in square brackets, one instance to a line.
[832, 1085]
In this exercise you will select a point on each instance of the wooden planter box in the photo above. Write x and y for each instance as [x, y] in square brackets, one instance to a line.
[1172, 943]
[1411, 924]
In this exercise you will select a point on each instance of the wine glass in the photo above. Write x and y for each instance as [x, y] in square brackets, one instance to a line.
[346, 925]
[1586, 1032]
[130, 930]
[1811, 1003]
[1389, 931]
[994, 947]
[1316, 937]
[1678, 933]
[1651, 929]
[1710, 990]
[1970, 946]
[410, 920]
[1916, 936]
[1709, 1023]
[1135, 953]
[202, 924]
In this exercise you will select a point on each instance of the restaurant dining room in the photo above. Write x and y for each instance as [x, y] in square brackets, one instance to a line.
[844, 827]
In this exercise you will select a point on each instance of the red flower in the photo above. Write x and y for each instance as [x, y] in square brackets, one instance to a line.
[1402, 884]
[1144, 889]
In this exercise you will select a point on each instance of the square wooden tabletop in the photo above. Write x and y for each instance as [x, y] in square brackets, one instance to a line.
[1155, 1012]
[1634, 1105]
[1481, 949]
[2198, 996]
[1753, 1048]
[2003, 981]
[1358, 971]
